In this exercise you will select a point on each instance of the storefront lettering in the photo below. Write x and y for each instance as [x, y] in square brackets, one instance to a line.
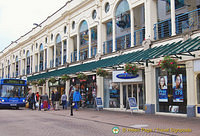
[126, 76]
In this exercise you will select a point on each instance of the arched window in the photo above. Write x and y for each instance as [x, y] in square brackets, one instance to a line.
[122, 15]
[28, 62]
[41, 57]
[41, 47]
[58, 50]
[16, 66]
[84, 38]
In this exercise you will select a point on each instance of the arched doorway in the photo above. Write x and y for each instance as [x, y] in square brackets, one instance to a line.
[58, 50]
[84, 38]
[123, 23]
[41, 56]
[27, 62]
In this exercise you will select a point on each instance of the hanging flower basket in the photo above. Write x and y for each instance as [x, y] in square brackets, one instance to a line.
[82, 77]
[101, 72]
[52, 80]
[131, 69]
[65, 77]
[169, 64]
[41, 82]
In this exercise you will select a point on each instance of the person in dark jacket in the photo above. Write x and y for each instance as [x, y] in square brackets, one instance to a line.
[33, 101]
[53, 99]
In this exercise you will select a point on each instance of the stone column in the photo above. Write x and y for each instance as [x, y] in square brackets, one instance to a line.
[47, 87]
[78, 46]
[132, 28]
[38, 61]
[191, 97]
[100, 88]
[67, 86]
[44, 58]
[90, 42]
[48, 57]
[150, 18]
[173, 16]
[121, 96]
[54, 62]
[150, 86]
[62, 52]
[113, 32]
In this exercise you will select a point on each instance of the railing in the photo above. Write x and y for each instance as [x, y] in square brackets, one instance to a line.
[123, 42]
[188, 21]
[28, 71]
[41, 66]
[93, 51]
[184, 23]
[64, 59]
[45, 65]
[162, 29]
[58, 61]
[51, 63]
[107, 47]
[16, 74]
[36, 68]
[74, 56]
[83, 54]
[139, 36]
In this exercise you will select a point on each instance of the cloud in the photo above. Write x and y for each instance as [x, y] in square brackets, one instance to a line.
[17, 16]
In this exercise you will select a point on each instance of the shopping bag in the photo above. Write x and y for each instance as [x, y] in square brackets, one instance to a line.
[37, 104]
[27, 105]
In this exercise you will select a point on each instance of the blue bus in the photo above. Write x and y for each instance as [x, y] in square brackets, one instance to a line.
[12, 93]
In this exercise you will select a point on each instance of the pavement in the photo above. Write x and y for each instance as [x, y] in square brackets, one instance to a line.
[89, 122]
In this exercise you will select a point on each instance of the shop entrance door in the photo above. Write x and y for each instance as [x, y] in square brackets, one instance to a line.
[133, 90]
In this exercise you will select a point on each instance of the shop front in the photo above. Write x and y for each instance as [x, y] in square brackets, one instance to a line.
[59, 86]
[121, 86]
[87, 89]
[171, 91]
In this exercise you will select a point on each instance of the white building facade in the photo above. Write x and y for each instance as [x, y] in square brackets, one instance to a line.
[84, 35]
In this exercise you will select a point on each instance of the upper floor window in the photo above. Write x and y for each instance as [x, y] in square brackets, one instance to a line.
[41, 47]
[178, 4]
[27, 54]
[65, 30]
[73, 24]
[94, 14]
[58, 39]
[107, 7]
[36, 45]
[16, 59]
[123, 15]
[84, 33]
[51, 36]
[46, 40]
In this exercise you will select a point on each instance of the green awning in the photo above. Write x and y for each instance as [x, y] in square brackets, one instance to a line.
[175, 48]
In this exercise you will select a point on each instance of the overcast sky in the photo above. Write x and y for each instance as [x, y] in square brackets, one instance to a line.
[17, 17]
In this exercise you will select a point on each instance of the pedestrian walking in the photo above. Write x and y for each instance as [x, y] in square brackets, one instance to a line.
[33, 101]
[45, 101]
[76, 97]
[53, 99]
[64, 100]
[57, 97]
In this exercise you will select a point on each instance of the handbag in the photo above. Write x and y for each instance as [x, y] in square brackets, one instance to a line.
[27, 105]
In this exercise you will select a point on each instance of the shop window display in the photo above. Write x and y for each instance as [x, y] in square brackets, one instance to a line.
[88, 91]
[171, 91]
[111, 94]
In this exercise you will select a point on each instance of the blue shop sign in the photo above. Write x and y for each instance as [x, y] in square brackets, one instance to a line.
[126, 76]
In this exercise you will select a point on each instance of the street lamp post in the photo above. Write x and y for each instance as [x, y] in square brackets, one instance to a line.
[71, 99]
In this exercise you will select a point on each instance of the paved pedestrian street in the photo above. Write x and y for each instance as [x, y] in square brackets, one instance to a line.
[89, 122]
